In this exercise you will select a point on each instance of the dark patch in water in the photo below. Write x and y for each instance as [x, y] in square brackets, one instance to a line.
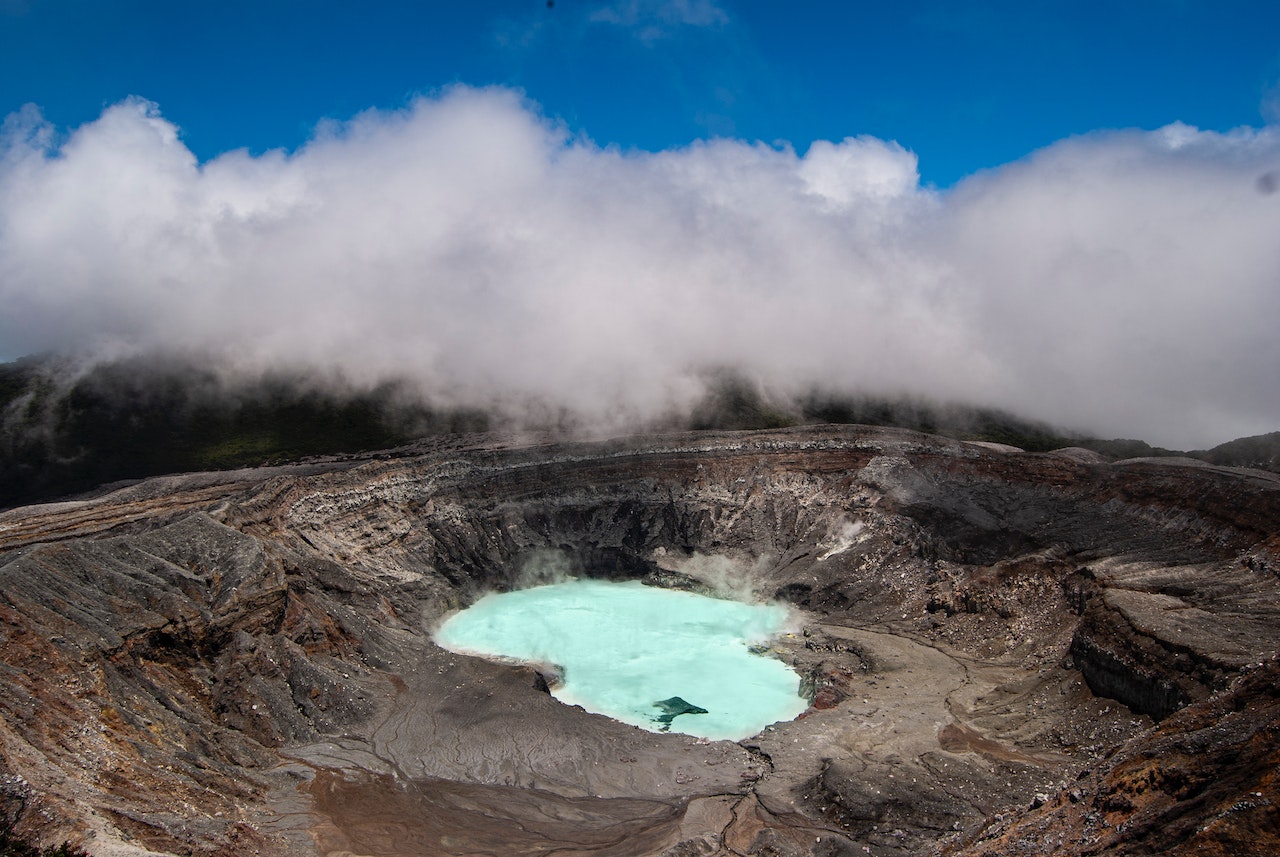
[673, 708]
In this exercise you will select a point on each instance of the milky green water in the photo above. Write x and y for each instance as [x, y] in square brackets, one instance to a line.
[636, 653]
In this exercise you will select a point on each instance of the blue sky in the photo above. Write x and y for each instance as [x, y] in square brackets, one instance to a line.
[965, 86]
[1065, 209]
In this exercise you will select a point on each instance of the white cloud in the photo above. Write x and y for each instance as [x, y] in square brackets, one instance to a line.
[1127, 282]
[859, 172]
[1121, 282]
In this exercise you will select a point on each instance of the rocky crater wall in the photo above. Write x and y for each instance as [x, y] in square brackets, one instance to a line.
[224, 663]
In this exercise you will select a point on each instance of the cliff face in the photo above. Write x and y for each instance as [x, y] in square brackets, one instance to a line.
[1202, 783]
[239, 662]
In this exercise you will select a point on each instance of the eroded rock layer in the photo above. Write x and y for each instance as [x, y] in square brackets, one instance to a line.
[1003, 651]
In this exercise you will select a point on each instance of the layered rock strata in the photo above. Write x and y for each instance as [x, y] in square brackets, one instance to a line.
[994, 642]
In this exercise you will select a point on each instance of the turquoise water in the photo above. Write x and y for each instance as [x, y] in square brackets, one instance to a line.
[656, 658]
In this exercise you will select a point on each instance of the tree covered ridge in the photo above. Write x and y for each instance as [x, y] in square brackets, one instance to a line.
[66, 429]
[132, 419]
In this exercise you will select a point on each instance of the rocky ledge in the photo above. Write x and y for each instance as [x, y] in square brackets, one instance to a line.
[1006, 653]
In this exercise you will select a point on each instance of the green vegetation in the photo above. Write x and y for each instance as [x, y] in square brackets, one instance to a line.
[955, 421]
[1260, 451]
[963, 422]
[733, 403]
[67, 430]
[12, 845]
[134, 419]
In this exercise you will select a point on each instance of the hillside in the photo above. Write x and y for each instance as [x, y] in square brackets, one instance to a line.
[68, 429]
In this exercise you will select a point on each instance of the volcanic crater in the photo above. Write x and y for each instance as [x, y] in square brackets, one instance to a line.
[1004, 653]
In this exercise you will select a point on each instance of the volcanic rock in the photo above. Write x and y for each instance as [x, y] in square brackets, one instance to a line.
[1006, 652]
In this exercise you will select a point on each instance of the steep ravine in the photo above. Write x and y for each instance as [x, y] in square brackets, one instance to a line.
[995, 643]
